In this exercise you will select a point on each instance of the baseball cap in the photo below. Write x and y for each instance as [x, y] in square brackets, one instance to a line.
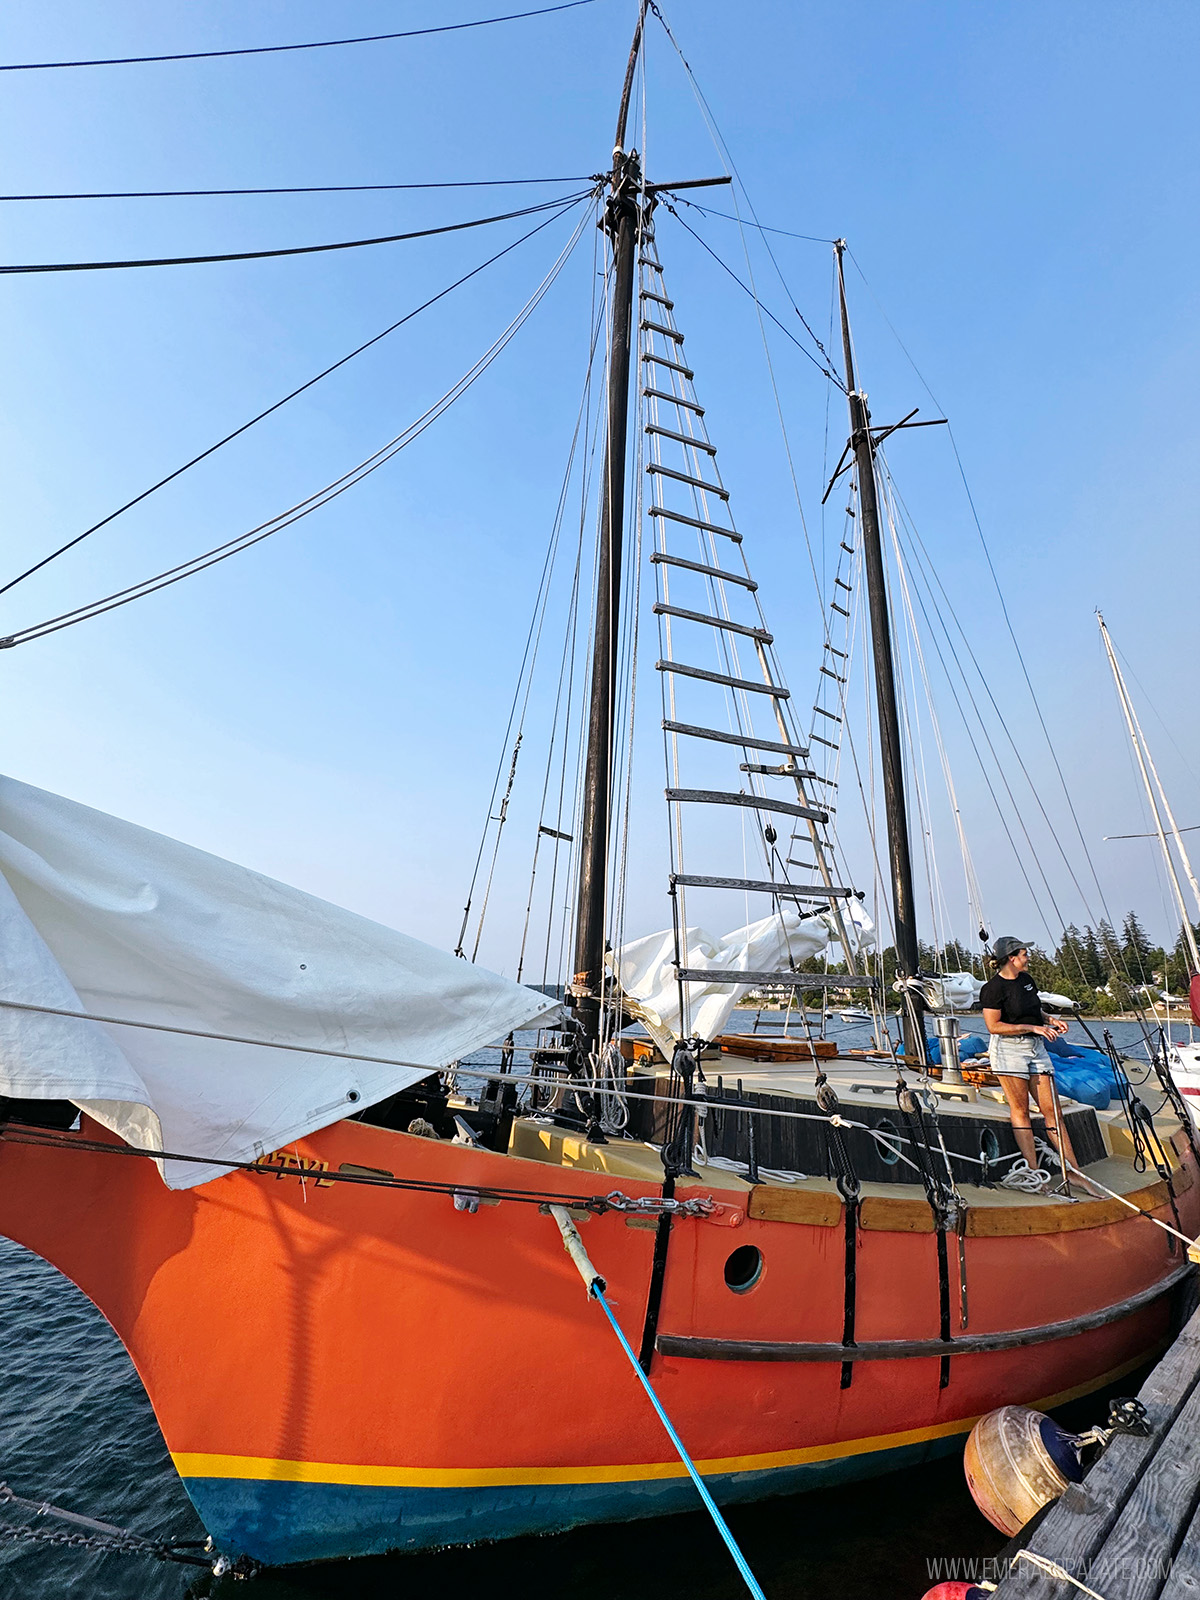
[1008, 946]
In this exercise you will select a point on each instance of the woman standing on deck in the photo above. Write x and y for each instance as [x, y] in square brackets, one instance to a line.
[1015, 1019]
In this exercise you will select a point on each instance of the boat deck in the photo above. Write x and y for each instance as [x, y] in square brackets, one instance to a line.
[863, 1087]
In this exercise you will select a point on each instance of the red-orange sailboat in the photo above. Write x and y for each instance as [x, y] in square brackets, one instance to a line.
[233, 1120]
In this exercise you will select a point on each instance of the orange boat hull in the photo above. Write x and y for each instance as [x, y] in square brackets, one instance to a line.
[340, 1370]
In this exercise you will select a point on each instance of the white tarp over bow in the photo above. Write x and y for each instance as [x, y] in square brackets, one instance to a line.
[102, 916]
[645, 968]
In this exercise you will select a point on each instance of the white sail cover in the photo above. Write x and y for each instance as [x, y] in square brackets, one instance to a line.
[645, 968]
[104, 917]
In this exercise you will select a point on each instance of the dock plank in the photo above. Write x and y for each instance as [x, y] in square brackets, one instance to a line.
[1077, 1527]
[1135, 1560]
[1184, 1582]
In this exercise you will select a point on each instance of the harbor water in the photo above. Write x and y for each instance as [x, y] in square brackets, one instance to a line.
[76, 1429]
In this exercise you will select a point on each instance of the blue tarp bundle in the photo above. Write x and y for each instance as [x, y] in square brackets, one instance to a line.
[1082, 1074]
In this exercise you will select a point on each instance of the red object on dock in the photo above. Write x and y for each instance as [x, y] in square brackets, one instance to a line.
[1194, 997]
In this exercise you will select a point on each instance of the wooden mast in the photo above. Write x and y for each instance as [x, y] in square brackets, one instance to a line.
[621, 225]
[891, 754]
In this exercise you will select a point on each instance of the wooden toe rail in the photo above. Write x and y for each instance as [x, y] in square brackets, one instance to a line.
[967, 1344]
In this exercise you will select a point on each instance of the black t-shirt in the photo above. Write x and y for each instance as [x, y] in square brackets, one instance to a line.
[1016, 999]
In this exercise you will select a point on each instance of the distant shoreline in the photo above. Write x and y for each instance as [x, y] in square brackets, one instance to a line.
[1180, 1014]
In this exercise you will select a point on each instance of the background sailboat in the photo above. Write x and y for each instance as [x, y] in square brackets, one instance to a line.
[1183, 1058]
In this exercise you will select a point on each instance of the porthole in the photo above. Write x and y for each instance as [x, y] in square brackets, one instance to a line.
[743, 1269]
[989, 1145]
[887, 1141]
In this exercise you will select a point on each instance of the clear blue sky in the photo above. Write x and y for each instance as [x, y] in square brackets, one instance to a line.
[1018, 183]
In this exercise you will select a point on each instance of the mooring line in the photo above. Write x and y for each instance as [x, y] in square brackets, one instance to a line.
[596, 1287]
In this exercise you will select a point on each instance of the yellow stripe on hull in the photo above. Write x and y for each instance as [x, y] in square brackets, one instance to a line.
[194, 1464]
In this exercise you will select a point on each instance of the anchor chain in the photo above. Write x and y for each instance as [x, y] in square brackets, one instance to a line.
[108, 1540]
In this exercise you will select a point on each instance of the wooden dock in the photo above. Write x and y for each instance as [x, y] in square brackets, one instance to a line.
[1131, 1529]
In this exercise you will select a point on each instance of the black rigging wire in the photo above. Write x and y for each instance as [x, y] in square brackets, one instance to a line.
[278, 49]
[319, 188]
[761, 227]
[724, 154]
[821, 366]
[229, 437]
[297, 250]
[312, 502]
[987, 554]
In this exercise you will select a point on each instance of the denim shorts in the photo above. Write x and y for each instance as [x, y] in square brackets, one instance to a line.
[1020, 1055]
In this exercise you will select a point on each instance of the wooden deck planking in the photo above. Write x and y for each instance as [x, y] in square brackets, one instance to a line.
[1092, 1515]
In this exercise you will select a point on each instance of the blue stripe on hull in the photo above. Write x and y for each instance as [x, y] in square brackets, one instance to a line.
[279, 1523]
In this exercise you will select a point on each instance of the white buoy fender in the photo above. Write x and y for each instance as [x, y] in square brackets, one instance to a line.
[1016, 1461]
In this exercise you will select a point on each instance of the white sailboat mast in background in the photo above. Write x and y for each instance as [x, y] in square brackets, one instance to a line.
[1159, 804]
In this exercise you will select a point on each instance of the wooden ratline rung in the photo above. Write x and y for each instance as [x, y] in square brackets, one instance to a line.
[645, 261]
[662, 609]
[752, 802]
[649, 294]
[784, 891]
[662, 559]
[672, 366]
[832, 715]
[660, 327]
[695, 522]
[842, 584]
[841, 610]
[681, 438]
[677, 400]
[829, 745]
[747, 741]
[774, 772]
[724, 678]
[834, 651]
[657, 470]
[848, 548]
[782, 980]
[809, 866]
[830, 673]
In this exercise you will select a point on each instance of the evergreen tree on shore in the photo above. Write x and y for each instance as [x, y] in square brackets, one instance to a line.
[1136, 950]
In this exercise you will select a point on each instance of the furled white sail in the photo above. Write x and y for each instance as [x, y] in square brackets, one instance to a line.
[104, 917]
[646, 972]
[948, 992]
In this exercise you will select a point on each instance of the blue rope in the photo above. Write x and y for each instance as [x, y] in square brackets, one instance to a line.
[722, 1526]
